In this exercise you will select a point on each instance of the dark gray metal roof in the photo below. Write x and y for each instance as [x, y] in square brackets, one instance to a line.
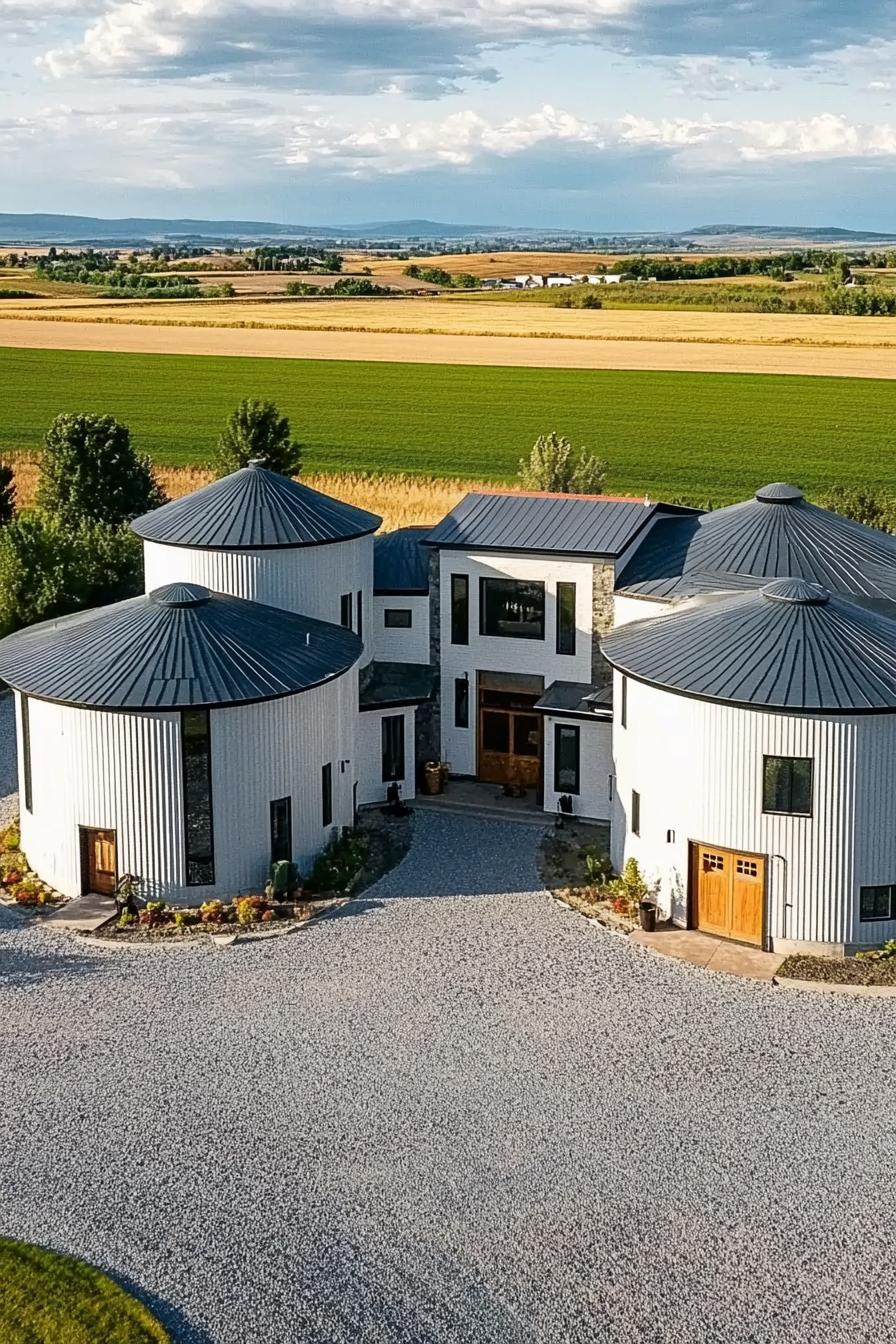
[587, 525]
[384, 684]
[178, 647]
[774, 535]
[790, 645]
[401, 562]
[577, 699]
[255, 509]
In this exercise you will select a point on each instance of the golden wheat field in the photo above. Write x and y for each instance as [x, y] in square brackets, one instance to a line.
[487, 264]
[456, 317]
[400, 500]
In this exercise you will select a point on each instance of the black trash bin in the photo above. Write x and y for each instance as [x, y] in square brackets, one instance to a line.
[647, 915]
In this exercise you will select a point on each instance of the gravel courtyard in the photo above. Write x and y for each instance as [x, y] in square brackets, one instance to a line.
[453, 1113]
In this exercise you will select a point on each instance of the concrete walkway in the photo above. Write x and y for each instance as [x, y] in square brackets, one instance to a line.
[716, 954]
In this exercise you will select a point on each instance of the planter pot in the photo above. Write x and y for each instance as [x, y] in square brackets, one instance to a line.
[433, 777]
[647, 915]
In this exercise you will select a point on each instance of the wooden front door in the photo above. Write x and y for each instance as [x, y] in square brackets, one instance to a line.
[728, 892]
[100, 869]
[509, 739]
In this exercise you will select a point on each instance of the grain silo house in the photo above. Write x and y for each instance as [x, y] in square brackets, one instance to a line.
[754, 742]
[186, 736]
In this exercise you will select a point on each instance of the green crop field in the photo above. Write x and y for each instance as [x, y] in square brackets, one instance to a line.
[706, 436]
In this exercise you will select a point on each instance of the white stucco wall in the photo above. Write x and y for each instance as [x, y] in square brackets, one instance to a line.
[698, 768]
[396, 645]
[122, 771]
[306, 579]
[498, 654]
[595, 767]
[371, 786]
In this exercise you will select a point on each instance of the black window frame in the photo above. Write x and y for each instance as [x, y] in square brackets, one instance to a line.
[392, 752]
[562, 730]
[27, 786]
[787, 811]
[487, 584]
[345, 611]
[874, 918]
[192, 860]
[461, 702]
[460, 608]
[393, 624]
[326, 794]
[566, 620]
[274, 805]
[359, 608]
[636, 813]
[623, 702]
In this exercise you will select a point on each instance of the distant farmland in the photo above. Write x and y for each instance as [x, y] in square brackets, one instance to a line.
[702, 436]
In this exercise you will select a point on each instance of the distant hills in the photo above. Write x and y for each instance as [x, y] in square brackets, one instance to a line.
[44, 229]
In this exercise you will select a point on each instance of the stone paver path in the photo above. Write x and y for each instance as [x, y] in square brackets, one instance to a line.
[452, 1114]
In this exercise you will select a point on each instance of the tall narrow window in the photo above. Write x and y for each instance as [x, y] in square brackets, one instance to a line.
[636, 812]
[460, 609]
[326, 795]
[281, 829]
[623, 707]
[199, 845]
[461, 702]
[393, 747]
[26, 751]
[345, 610]
[359, 606]
[566, 618]
[566, 759]
[787, 785]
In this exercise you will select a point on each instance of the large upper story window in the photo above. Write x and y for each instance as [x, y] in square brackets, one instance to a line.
[787, 785]
[511, 608]
[199, 844]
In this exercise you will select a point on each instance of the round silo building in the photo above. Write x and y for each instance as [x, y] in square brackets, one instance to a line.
[265, 537]
[186, 737]
[754, 748]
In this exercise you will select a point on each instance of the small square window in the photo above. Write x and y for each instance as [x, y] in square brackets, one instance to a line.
[876, 903]
[787, 785]
[397, 618]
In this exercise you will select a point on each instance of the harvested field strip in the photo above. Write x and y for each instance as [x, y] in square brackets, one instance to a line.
[670, 434]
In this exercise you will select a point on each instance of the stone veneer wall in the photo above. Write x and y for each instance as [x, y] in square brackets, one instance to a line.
[602, 586]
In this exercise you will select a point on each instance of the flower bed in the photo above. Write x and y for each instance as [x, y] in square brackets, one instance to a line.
[18, 884]
[576, 871]
[864, 969]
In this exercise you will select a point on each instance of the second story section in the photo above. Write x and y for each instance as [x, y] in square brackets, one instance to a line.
[526, 581]
[401, 565]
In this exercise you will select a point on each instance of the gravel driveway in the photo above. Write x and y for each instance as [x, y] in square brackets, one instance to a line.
[454, 1113]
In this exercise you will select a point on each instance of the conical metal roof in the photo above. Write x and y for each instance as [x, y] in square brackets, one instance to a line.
[178, 647]
[777, 534]
[791, 645]
[255, 509]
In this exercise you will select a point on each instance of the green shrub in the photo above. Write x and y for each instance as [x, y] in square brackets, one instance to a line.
[339, 864]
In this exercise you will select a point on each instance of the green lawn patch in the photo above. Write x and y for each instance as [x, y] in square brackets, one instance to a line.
[707, 436]
[47, 1298]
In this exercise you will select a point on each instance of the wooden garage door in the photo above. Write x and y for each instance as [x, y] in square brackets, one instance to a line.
[729, 893]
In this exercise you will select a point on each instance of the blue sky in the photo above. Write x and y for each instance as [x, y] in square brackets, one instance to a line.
[599, 114]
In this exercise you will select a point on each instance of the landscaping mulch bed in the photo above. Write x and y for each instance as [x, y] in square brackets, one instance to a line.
[840, 970]
[560, 866]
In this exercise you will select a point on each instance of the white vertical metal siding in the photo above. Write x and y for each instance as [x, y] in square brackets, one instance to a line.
[306, 579]
[122, 772]
[697, 766]
[595, 767]
[399, 645]
[489, 654]
[371, 787]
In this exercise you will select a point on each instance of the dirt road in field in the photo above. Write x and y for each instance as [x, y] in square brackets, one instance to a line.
[425, 348]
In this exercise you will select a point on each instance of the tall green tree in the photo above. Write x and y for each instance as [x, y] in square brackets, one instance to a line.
[554, 465]
[89, 472]
[257, 430]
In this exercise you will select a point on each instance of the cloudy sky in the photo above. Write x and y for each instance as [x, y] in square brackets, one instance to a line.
[600, 114]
